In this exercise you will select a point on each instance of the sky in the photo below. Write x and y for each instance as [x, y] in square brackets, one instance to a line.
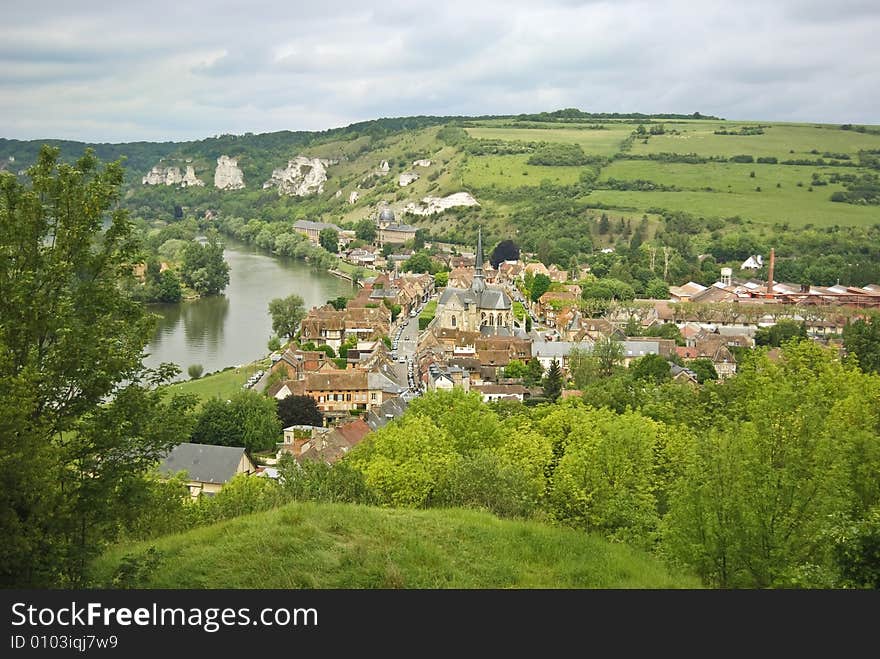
[117, 71]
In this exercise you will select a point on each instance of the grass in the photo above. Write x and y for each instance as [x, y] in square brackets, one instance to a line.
[778, 140]
[427, 314]
[219, 385]
[307, 545]
[595, 142]
[511, 171]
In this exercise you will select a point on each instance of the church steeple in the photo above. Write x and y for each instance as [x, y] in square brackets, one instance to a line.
[479, 284]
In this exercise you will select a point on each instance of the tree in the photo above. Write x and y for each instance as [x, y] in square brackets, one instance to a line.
[248, 419]
[516, 369]
[418, 262]
[609, 354]
[604, 225]
[195, 371]
[441, 279]
[651, 368]
[204, 269]
[81, 421]
[329, 239]
[536, 372]
[365, 230]
[338, 303]
[862, 339]
[704, 368]
[506, 250]
[657, 289]
[540, 285]
[782, 332]
[274, 343]
[169, 287]
[419, 239]
[287, 313]
[553, 382]
[299, 411]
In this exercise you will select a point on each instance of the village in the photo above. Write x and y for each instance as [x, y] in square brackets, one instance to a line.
[477, 328]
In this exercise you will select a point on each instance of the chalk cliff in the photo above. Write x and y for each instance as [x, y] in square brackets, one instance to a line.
[302, 176]
[434, 205]
[228, 176]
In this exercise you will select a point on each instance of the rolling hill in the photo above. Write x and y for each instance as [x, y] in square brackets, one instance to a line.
[308, 545]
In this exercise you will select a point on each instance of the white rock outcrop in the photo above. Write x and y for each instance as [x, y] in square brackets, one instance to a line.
[406, 178]
[338, 194]
[159, 175]
[353, 197]
[384, 168]
[302, 176]
[228, 176]
[434, 205]
[190, 179]
[421, 163]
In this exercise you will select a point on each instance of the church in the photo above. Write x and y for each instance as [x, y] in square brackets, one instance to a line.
[479, 308]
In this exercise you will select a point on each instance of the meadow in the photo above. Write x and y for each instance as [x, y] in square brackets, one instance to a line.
[512, 171]
[604, 142]
[310, 545]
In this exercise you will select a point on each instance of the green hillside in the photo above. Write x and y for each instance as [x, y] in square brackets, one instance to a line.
[697, 185]
[306, 545]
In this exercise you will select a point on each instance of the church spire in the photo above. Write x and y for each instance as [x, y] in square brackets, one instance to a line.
[479, 284]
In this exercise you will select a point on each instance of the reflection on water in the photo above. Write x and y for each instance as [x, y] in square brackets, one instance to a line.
[234, 328]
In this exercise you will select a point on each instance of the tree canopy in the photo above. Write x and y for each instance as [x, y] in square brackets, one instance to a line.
[287, 313]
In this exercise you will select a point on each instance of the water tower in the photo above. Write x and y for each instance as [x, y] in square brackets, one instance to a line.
[727, 276]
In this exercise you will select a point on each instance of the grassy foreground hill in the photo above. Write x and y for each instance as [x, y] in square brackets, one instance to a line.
[308, 545]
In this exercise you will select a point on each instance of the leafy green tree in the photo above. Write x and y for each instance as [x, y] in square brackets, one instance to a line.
[80, 420]
[338, 303]
[553, 382]
[516, 369]
[204, 269]
[666, 331]
[248, 419]
[365, 230]
[169, 287]
[195, 371]
[329, 239]
[540, 285]
[418, 262]
[299, 411]
[782, 332]
[651, 368]
[287, 313]
[604, 478]
[704, 368]
[609, 354]
[657, 289]
[274, 344]
[441, 279]
[535, 370]
[862, 339]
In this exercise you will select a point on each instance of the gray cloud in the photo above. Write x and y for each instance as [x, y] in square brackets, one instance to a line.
[113, 71]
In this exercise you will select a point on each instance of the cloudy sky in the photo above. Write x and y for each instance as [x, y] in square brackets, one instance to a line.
[113, 70]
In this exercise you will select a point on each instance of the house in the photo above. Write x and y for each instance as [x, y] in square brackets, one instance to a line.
[546, 351]
[312, 230]
[208, 467]
[755, 262]
[495, 392]
[633, 348]
[323, 444]
[686, 292]
[392, 232]
[682, 375]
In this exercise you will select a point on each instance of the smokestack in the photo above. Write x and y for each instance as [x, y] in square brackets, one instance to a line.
[770, 272]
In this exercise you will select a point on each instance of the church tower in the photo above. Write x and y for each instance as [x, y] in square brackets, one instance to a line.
[479, 284]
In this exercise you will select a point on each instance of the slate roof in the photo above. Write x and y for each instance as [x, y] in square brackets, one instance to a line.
[204, 463]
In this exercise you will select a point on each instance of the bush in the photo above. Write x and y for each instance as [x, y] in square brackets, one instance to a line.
[195, 371]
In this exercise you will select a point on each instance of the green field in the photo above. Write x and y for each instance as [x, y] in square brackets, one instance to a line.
[734, 192]
[219, 385]
[307, 545]
[511, 171]
[596, 142]
[779, 140]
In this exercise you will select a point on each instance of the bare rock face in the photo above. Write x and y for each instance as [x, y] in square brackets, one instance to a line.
[353, 197]
[383, 168]
[406, 178]
[302, 176]
[162, 176]
[228, 176]
[190, 179]
[434, 205]
[338, 194]
[421, 163]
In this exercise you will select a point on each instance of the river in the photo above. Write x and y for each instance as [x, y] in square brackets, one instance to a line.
[234, 328]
